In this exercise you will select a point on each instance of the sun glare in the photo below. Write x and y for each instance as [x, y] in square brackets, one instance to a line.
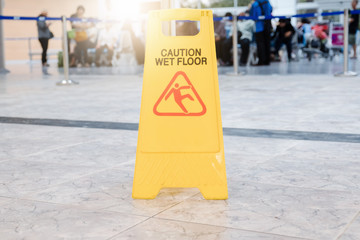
[124, 9]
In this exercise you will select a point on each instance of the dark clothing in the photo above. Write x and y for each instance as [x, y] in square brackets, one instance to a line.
[219, 48]
[226, 51]
[82, 41]
[263, 40]
[80, 51]
[245, 49]
[353, 26]
[44, 45]
[44, 35]
[100, 50]
[281, 39]
[280, 31]
[219, 30]
[43, 29]
[262, 33]
[288, 42]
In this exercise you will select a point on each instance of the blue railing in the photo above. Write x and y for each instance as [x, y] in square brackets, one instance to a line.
[305, 15]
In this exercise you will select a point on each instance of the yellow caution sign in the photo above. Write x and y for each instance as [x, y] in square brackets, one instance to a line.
[180, 142]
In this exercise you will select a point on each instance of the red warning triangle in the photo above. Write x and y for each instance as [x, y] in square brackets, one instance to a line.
[183, 96]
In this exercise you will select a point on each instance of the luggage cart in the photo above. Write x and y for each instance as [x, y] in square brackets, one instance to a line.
[336, 43]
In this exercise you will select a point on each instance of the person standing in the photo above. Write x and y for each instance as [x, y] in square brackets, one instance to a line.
[263, 30]
[81, 37]
[353, 27]
[44, 35]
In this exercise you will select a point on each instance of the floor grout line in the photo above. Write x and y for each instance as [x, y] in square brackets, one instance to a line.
[71, 206]
[112, 237]
[290, 186]
[21, 158]
[183, 200]
[348, 225]
[153, 216]
[82, 176]
[233, 228]
[58, 148]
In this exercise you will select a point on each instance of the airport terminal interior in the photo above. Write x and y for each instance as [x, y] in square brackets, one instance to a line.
[290, 131]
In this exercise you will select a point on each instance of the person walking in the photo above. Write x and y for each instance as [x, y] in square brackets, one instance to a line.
[44, 35]
[263, 30]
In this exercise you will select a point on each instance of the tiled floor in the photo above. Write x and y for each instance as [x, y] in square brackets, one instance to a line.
[76, 183]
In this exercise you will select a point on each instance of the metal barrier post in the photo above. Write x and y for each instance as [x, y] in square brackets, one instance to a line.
[346, 72]
[66, 81]
[235, 43]
[2, 52]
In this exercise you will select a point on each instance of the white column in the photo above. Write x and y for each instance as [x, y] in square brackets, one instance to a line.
[169, 29]
[235, 41]
[2, 49]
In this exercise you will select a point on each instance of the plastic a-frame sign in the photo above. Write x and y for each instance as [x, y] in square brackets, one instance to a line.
[180, 141]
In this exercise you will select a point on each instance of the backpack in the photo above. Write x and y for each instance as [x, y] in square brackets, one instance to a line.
[267, 22]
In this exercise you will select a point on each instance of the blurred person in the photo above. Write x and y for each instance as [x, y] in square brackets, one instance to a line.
[245, 31]
[321, 31]
[228, 25]
[44, 34]
[246, 28]
[81, 37]
[106, 42]
[283, 35]
[92, 34]
[137, 43]
[220, 36]
[263, 30]
[304, 30]
[187, 29]
[353, 27]
[227, 44]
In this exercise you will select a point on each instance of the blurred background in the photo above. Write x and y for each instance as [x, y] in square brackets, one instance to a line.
[21, 37]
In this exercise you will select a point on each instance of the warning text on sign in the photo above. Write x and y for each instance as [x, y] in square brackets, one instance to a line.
[182, 56]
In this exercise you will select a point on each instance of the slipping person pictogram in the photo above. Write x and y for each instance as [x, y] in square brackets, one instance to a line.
[178, 96]
[175, 87]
